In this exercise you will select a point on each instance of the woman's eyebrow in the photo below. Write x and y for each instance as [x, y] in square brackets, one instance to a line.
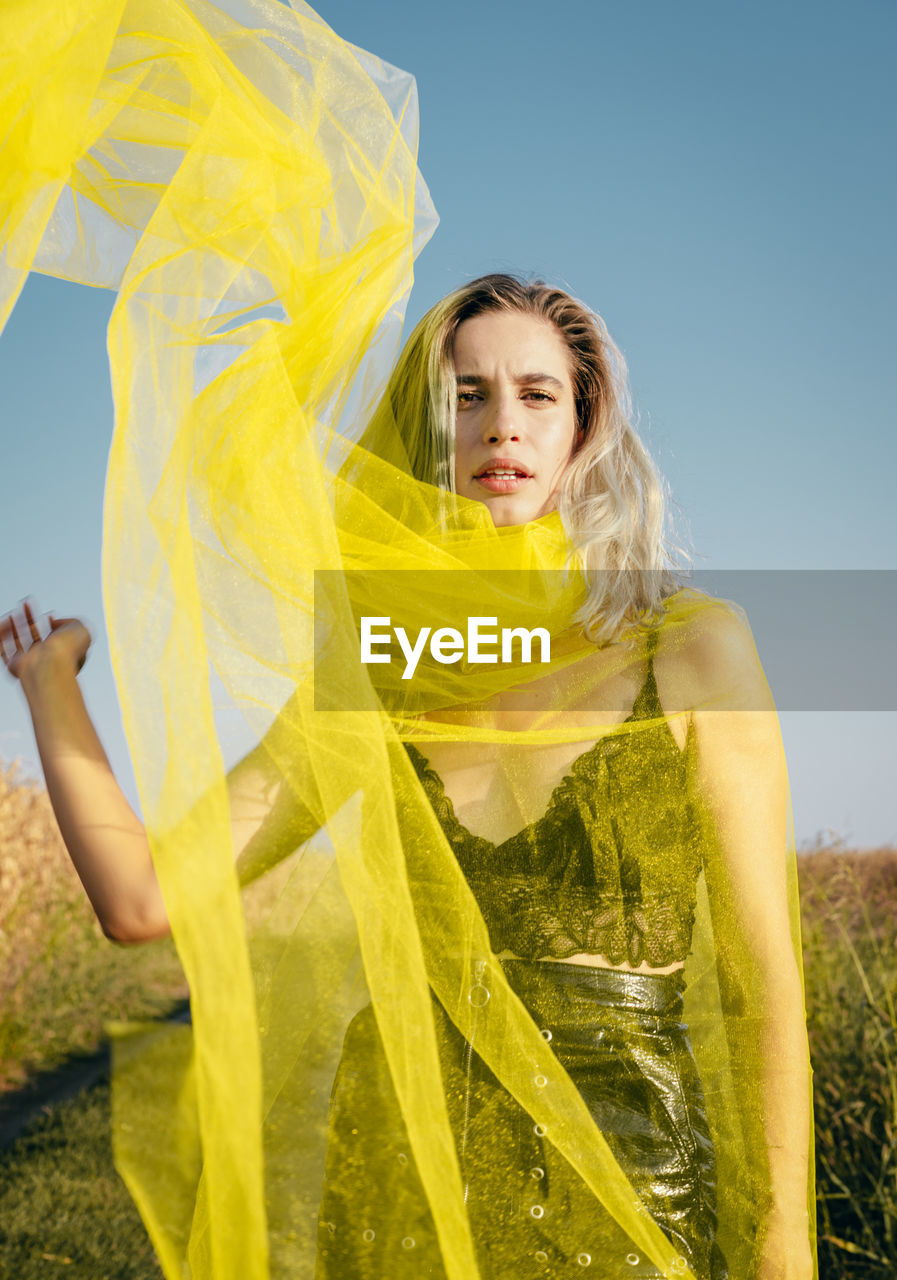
[538, 377]
[474, 380]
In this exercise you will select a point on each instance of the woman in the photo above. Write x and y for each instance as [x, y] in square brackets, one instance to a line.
[538, 422]
[644, 749]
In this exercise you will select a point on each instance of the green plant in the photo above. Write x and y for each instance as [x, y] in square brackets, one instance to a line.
[63, 1208]
[850, 960]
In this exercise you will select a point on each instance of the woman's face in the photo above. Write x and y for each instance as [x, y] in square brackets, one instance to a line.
[516, 422]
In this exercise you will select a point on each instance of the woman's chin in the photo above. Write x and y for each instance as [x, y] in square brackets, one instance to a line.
[516, 518]
[509, 509]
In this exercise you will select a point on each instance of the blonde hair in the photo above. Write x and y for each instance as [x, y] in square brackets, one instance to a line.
[611, 497]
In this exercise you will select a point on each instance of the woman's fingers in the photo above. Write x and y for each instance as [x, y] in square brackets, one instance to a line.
[29, 619]
[23, 639]
[11, 647]
[10, 632]
[10, 644]
[27, 625]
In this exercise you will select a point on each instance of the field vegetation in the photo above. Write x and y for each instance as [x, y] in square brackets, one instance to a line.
[849, 920]
[60, 979]
[64, 1209]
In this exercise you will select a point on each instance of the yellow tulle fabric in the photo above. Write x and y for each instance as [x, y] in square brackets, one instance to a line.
[247, 181]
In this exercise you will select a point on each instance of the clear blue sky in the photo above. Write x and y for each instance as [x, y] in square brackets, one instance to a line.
[718, 181]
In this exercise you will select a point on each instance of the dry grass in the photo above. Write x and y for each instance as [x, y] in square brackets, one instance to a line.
[849, 912]
[60, 978]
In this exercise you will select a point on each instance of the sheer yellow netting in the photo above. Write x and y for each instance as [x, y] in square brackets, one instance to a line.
[247, 181]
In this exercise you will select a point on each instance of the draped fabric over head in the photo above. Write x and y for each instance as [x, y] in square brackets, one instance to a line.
[247, 182]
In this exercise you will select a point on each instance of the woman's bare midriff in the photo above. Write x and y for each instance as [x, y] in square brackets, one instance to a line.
[599, 962]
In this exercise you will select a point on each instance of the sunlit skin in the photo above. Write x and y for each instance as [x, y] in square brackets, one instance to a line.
[516, 426]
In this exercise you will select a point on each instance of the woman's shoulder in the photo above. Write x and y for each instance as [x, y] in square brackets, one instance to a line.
[705, 657]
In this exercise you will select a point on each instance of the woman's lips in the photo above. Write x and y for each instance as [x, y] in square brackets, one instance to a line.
[502, 482]
[502, 475]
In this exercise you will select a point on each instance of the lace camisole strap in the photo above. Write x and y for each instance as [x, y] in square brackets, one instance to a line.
[610, 868]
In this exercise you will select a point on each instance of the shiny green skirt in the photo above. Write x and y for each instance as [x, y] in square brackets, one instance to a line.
[620, 1038]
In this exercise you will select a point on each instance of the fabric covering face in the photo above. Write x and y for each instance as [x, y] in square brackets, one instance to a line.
[247, 182]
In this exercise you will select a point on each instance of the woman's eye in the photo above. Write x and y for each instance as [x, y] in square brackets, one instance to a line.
[539, 395]
[467, 397]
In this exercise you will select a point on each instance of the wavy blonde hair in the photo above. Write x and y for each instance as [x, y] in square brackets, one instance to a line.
[611, 497]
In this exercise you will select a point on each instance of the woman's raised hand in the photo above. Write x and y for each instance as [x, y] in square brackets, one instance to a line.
[25, 650]
[105, 838]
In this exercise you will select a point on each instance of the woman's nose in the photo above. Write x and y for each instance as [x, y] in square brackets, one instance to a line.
[501, 423]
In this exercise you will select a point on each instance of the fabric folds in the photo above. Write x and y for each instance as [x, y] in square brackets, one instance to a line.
[247, 181]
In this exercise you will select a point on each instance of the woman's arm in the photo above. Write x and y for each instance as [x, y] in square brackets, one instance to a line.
[107, 842]
[739, 781]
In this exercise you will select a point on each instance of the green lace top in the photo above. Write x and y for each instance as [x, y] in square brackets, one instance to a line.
[609, 869]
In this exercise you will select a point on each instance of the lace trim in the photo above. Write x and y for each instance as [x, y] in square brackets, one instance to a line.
[534, 913]
[657, 929]
[457, 833]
